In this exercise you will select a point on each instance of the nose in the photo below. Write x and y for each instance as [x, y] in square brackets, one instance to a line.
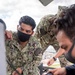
[65, 52]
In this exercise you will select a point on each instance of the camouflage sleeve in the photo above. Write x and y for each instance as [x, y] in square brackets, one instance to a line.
[7, 43]
[38, 53]
[41, 32]
[37, 56]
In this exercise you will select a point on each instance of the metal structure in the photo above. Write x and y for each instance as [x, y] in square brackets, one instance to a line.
[45, 2]
[2, 50]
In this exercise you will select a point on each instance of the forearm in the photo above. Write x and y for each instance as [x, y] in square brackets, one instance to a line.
[70, 70]
[59, 53]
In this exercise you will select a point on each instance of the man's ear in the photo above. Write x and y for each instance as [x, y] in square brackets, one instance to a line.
[17, 27]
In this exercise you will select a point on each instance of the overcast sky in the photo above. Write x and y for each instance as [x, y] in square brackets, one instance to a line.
[12, 10]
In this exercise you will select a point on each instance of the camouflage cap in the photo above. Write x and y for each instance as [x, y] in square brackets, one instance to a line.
[61, 9]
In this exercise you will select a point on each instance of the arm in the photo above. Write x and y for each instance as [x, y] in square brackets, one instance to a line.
[34, 57]
[58, 54]
[38, 54]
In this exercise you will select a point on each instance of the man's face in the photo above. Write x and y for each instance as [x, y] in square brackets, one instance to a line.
[64, 42]
[27, 29]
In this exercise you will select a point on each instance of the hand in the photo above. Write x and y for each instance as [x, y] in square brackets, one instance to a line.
[8, 34]
[19, 70]
[58, 71]
[50, 62]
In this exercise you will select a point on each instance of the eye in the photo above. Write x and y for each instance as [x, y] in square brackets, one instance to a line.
[21, 29]
[64, 47]
[28, 31]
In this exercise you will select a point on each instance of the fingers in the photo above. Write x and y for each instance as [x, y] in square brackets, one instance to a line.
[14, 73]
[8, 34]
[19, 70]
[58, 71]
[52, 71]
[50, 62]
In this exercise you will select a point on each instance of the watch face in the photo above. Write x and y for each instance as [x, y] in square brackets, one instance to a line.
[45, 2]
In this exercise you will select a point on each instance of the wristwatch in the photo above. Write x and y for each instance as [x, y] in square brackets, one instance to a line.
[54, 58]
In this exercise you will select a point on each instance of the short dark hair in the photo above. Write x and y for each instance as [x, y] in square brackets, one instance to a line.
[66, 22]
[1, 21]
[27, 20]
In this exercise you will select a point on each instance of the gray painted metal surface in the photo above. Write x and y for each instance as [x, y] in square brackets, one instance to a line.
[2, 51]
[45, 2]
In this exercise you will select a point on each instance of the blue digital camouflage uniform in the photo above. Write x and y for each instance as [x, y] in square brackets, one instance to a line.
[26, 58]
